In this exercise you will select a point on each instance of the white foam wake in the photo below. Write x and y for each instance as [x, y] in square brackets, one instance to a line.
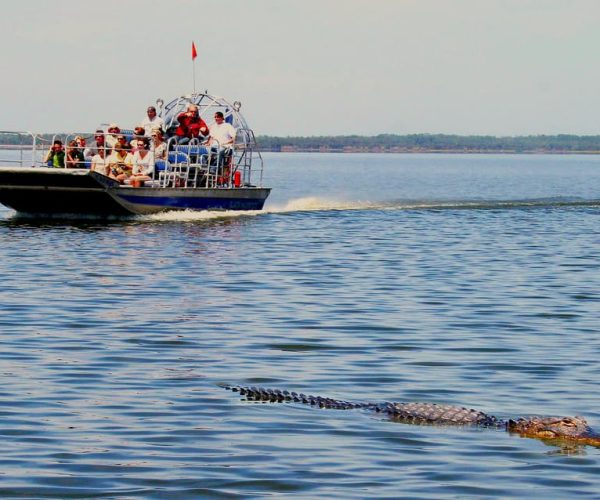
[309, 204]
[194, 215]
[296, 205]
[313, 204]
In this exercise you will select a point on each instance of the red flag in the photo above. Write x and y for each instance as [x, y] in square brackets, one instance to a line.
[194, 53]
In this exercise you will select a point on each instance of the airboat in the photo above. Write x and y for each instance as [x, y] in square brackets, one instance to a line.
[193, 176]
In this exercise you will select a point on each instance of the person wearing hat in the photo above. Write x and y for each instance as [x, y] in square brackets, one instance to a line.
[112, 132]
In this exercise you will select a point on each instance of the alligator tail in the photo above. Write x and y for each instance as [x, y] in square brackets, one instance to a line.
[414, 413]
[279, 396]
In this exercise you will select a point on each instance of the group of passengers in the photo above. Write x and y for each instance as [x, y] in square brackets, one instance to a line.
[113, 155]
[191, 126]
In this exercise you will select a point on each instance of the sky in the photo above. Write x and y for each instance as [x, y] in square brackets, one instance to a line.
[308, 67]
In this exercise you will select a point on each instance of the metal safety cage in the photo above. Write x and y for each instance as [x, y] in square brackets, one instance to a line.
[245, 149]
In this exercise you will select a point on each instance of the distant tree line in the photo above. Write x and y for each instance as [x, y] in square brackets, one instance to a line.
[25, 139]
[562, 143]
[434, 142]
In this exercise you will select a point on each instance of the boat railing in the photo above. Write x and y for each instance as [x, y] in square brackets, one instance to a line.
[191, 165]
[252, 156]
[23, 149]
[28, 149]
[199, 164]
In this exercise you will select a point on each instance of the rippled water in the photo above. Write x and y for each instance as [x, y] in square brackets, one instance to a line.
[470, 280]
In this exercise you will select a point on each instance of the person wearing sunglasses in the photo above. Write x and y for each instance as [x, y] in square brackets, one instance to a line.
[143, 162]
[158, 145]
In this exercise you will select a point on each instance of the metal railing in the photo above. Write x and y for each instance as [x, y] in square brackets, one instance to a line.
[21, 153]
[198, 165]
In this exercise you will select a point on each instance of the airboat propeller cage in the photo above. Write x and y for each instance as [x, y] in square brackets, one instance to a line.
[207, 106]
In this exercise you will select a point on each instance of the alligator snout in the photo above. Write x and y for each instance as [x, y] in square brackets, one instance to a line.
[570, 428]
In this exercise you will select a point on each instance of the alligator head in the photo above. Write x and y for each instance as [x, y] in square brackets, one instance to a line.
[575, 429]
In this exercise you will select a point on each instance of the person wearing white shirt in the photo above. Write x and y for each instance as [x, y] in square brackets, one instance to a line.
[221, 140]
[143, 162]
[152, 121]
[158, 145]
[99, 163]
[221, 133]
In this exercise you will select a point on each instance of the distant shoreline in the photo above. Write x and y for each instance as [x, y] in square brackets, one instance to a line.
[561, 144]
[434, 143]
[430, 151]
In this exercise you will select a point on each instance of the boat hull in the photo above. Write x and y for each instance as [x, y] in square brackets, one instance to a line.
[51, 191]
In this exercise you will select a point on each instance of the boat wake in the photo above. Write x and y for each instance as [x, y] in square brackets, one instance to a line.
[312, 204]
[194, 215]
[315, 204]
[309, 204]
[475, 204]
[319, 204]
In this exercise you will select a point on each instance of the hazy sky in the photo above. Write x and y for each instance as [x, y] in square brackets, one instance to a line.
[308, 67]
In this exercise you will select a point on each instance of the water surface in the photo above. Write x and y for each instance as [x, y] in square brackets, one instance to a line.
[460, 279]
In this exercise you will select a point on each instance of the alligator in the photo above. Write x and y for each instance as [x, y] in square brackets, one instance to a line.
[568, 429]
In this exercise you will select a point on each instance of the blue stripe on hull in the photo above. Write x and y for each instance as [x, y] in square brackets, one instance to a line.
[194, 203]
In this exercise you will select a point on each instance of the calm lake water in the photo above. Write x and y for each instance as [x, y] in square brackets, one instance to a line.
[462, 279]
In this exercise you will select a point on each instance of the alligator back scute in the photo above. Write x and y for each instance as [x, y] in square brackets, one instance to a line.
[433, 413]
